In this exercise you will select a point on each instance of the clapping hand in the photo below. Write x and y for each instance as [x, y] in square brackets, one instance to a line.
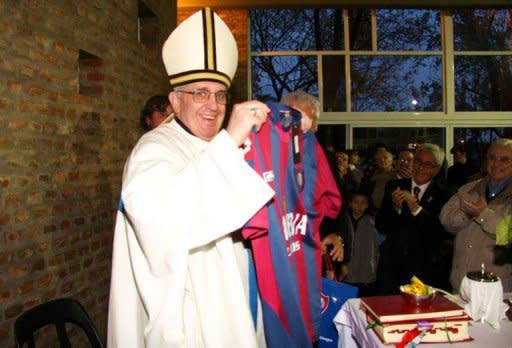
[471, 206]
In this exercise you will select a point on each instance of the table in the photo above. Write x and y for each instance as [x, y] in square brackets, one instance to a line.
[351, 324]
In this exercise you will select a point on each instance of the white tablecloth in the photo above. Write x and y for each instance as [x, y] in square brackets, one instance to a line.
[351, 324]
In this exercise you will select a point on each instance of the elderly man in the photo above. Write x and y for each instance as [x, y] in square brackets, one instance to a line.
[309, 106]
[479, 215]
[176, 279]
[409, 217]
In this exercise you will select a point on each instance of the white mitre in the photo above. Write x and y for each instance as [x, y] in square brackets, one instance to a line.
[201, 48]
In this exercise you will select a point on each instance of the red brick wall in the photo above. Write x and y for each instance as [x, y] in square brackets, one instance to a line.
[62, 153]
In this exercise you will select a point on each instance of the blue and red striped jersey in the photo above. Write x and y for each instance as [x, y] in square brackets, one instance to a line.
[284, 235]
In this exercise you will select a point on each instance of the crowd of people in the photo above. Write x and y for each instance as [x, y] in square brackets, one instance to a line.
[183, 268]
[425, 224]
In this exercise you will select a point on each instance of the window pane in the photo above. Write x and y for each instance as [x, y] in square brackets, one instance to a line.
[396, 83]
[296, 29]
[360, 29]
[477, 140]
[333, 72]
[482, 30]
[396, 138]
[272, 77]
[408, 30]
[331, 136]
[483, 83]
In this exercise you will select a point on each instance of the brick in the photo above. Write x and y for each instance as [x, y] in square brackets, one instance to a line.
[13, 236]
[55, 260]
[5, 257]
[44, 280]
[43, 247]
[60, 243]
[33, 232]
[13, 199]
[21, 216]
[5, 219]
[5, 295]
[14, 86]
[41, 213]
[16, 124]
[23, 180]
[49, 228]
[18, 271]
[35, 198]
[65, 225]
[25, 253]
[13, 311]
[59, 177]
[51, 194]
[38, 264]
[4, 181]
[25, 287]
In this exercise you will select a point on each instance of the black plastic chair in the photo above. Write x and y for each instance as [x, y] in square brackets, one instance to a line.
[56, 312]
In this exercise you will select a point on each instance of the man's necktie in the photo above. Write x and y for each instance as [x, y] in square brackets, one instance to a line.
[416, 191]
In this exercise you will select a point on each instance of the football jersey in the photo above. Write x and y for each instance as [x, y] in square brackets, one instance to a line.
[284, 235]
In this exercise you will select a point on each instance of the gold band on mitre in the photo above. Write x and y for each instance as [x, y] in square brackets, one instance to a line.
[201, 48]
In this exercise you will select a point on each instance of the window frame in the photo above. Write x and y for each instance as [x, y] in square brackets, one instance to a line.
[447, 118]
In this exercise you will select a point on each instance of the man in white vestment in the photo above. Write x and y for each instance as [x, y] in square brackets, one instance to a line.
[176, 281]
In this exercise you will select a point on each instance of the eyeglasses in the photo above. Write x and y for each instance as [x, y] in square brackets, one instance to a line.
[202, 96]
[502, 159]
[404, 161]
[426, 164]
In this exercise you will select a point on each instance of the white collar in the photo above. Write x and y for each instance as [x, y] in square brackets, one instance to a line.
[422, 188]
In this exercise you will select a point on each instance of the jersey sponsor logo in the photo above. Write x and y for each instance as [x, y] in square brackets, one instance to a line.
[294, 226]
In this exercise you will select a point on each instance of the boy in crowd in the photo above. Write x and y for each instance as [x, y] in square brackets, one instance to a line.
[361, 246]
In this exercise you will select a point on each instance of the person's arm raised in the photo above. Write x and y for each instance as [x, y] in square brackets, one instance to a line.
[244, 117]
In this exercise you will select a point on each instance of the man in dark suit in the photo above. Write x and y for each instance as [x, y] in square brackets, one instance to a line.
[409, 217]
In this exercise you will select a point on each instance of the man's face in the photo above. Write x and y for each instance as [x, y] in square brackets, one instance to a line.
[404, 160]
[499, 163]
[383, 160]
[424, 167]
[204, 119]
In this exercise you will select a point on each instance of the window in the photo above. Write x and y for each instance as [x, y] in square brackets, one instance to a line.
[148, 27]
[91, 77]
[381, 68]
[483, 60]
[477, 140]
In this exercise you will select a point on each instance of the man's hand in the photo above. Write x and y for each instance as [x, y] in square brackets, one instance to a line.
[305, 122]
[405, 172]
[337, 253]
[472, 207]
[411, 201]
[398, 196]
[244, 117]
